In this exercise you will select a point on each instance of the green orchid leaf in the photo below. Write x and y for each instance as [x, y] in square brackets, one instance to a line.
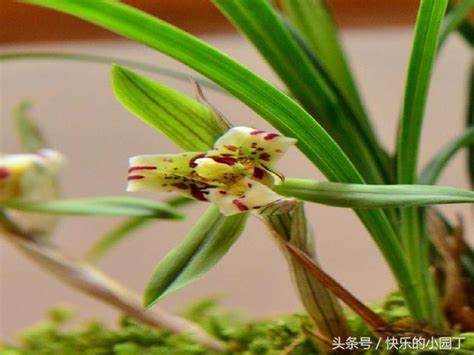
[466, 29]
[308, 82]
[372, 196]
[315, 23]
[124, 230]
[186, 122]
[454, 18]
[97, 206]
[415, 242]
[266, 100]
[422, 58]
[99, 59]
[458, 19]
[272, 104]
[114, 237]
[433, 169]
[467, 262]
[31, 138]
[209, 240]
[470, 123]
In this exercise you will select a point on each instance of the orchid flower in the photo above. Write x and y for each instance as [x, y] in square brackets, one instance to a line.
[237, 174]
[32, 177]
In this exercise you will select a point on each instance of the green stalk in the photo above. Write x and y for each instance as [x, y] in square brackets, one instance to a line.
[434, 168]
[372, 196]
[414, 241]
[321, 305]
[454, 19]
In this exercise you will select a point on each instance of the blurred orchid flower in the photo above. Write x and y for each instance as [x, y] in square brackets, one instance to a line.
[32, 177]
[237, 175]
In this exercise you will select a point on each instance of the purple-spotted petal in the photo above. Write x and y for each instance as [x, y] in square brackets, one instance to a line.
[254, 144]
[167, 173]
[247, 195]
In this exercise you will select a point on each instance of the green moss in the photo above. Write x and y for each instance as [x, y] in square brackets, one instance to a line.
[271, 336]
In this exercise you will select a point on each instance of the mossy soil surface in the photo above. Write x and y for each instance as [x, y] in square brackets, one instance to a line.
[278, 335]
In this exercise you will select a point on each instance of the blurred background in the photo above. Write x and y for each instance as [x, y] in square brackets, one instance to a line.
[75, 106]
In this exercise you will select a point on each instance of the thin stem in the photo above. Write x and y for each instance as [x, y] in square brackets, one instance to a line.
[377, 323]
[93, 282]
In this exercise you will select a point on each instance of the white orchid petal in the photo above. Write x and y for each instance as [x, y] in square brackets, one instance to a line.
[246, 196]
[166, 173]
[254, 144]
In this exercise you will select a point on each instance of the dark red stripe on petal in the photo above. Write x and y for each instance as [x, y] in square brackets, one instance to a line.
[225, 160]
[242, 207]
[254, 133]
[265, 156]
[232, 148]
[258, 173]
[197, 193]
[192, 162]
[4, 173]
[135, 177]
[270, 136]
[143, 167]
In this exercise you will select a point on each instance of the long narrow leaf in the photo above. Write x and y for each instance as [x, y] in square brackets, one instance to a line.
[97, 206]
[454, 19]
[124, 230]
[466, 29]
[470, 124]
[457, 18]
[31, 138]
[416, 91]
[272, 104]
[372, 196]
[114, 237]
[262, 25]
[191, 125]
[315, 23]
[99, 59]
[428, 26]
[433, 169]
[208, 241]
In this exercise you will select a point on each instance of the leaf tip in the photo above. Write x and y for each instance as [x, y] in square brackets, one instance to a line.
[150, 298]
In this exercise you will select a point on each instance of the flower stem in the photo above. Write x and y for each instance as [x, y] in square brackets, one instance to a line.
[322, 307]
[95, 283]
